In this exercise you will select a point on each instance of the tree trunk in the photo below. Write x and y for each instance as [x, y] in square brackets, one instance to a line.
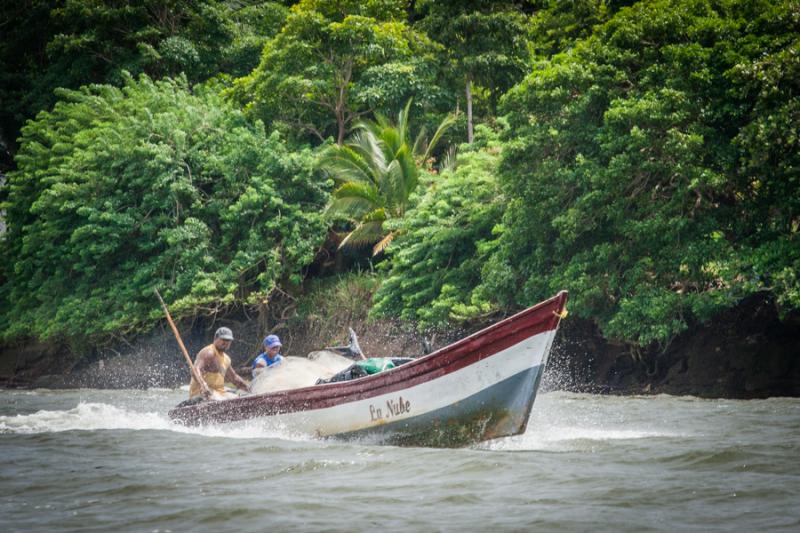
[341, 103]
[470, 133]
[340, 124]
[340, 119]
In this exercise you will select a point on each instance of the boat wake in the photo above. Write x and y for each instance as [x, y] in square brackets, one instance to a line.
[567, 439]
[93, 416]
[86, 416]
[560, 422]
[565, 422]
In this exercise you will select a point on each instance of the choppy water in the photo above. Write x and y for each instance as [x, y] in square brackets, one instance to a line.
[94, 460]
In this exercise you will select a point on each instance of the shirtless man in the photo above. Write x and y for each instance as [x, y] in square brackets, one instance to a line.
[214, 366]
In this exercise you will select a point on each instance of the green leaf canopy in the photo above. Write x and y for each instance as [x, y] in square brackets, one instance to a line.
[119, 191]
[444, 240]
[334, 62]
[639, 174]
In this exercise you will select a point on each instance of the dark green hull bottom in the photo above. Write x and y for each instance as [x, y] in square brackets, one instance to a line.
[501, 410]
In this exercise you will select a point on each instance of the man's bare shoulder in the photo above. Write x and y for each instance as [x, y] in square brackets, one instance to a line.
[206, 352]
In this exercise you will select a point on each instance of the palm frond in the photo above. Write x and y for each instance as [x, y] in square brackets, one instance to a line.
[344, 164]
[382, 244]
[402, 120]
[448, 121]
[354, 200]
[408, 170]
[381, 121]
[419, 141]
[369, 147]
[392, 141]
[377, 215]
[394, 187]
[363, 235]
[352, 189]
[351, 209]
[377, 172]
[449, 159]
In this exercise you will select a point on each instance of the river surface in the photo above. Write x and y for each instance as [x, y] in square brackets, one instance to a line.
[98, 460]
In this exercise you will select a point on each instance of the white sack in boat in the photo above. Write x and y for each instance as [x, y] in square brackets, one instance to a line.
[294, 372]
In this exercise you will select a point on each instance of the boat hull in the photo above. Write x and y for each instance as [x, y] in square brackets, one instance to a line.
[478, 388]
[497, 411]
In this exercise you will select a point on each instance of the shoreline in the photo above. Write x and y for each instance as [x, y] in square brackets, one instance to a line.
[748, 352]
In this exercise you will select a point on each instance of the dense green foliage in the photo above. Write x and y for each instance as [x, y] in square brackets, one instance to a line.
[643, 155]
[436, 262]
[335, 61]
[119, 191]
[330, 305]
[635, 177]
[486, 47]
[51, 44]
[564, 22]
[651, 170]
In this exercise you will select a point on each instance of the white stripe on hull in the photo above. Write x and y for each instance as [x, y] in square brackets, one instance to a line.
[419, 399]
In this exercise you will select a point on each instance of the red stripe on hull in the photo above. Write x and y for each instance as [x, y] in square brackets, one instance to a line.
[467, 351]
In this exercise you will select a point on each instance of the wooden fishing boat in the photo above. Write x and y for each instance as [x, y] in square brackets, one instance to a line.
[478, 388]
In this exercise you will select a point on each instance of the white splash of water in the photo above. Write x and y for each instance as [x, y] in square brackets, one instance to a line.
[90, 416]
[86, 416]
[560, 422]
[560, 439]
[563, 422]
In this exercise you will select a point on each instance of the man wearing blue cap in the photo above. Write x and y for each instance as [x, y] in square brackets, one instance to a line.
[270, 356]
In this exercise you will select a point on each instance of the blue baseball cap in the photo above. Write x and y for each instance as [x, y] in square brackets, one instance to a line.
[270, 341]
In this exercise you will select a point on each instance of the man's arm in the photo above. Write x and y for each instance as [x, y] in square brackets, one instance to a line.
[201, 365]
[234, 378]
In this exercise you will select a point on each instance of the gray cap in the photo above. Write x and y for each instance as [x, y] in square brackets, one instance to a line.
[224, 333]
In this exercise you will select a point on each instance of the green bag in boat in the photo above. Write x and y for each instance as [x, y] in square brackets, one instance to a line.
[373, 365]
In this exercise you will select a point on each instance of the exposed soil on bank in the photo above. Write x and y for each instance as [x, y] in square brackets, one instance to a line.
[745, 352]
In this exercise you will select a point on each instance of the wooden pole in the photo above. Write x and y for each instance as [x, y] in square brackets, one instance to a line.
[192, 369]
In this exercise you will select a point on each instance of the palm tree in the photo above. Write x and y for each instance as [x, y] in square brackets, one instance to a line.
[376, 171]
